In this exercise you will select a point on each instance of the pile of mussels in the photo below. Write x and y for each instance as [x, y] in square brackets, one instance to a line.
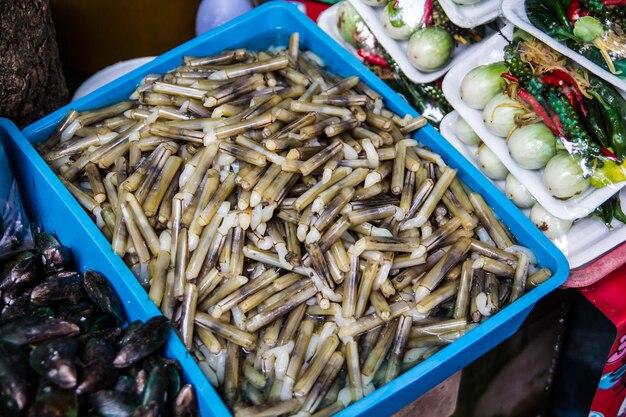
[63, 351]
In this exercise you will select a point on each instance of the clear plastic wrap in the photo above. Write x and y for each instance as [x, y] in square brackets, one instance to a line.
[344, 24]
[15, 231]
[598, 177]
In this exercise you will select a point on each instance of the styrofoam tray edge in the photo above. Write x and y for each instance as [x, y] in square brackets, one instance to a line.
[471, 15]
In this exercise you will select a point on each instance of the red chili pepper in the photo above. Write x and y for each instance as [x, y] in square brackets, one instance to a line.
[570, 96]
[609, 3]
[373, 58]
[510, 77]
[537, 108]
[584, 13]
[573, 11]
[609, 154]
[570, 81]
[396, 4]
[563, 75]
[552, 80]
[558, 126]
[427, 19]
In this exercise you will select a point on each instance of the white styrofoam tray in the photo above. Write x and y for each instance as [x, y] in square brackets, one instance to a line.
[491, 50]
[471, 15]
[397, 49]
[515, 12]
[588, 238]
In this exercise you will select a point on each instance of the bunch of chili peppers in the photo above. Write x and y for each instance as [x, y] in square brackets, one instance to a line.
[558, 17]
[593, 127]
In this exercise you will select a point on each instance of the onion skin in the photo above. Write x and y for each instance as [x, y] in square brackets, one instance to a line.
[499, 114]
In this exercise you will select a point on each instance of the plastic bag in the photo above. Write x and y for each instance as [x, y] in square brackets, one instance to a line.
[15, 230]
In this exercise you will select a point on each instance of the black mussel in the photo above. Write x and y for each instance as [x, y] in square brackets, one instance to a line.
[128, 332]
[127, 384]
[8, 406]
[150, 410]
[82, 314]
[54, 256]
[146, 340]
[21, 307]
[21, 269]
[43, 311]
[155, 391]
[185, 404]
[141, 379]
[104, 327]
[52, 401]
[103, 294]
[56, 360]
[61, 286]
[11, 295]
[108, 403]
[16, 378]
[174, 381]
[34, 329]
[97, 372]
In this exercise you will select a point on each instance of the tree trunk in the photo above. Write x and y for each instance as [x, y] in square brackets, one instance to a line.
[31, 79]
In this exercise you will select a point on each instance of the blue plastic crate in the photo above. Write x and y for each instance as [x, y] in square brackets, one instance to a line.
[271, 25]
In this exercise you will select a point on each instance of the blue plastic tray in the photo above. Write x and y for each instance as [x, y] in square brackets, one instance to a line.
[272, 24]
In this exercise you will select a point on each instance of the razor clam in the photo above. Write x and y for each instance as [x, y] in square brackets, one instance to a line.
[299, 240]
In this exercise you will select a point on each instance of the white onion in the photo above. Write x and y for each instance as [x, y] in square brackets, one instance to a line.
[490, 164]
[517, 193]
[465, 132]
[551, 226]
[400, 22]
[430, 48]
[499, 114]
[564, 176]
[532, 146]
[483, 83]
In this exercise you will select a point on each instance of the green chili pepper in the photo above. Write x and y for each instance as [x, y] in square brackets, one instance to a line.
[609, 94]
[595, 124]
[616, 130]
[559, 11]
[617, 209]
[541, 17]
[544, 19]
